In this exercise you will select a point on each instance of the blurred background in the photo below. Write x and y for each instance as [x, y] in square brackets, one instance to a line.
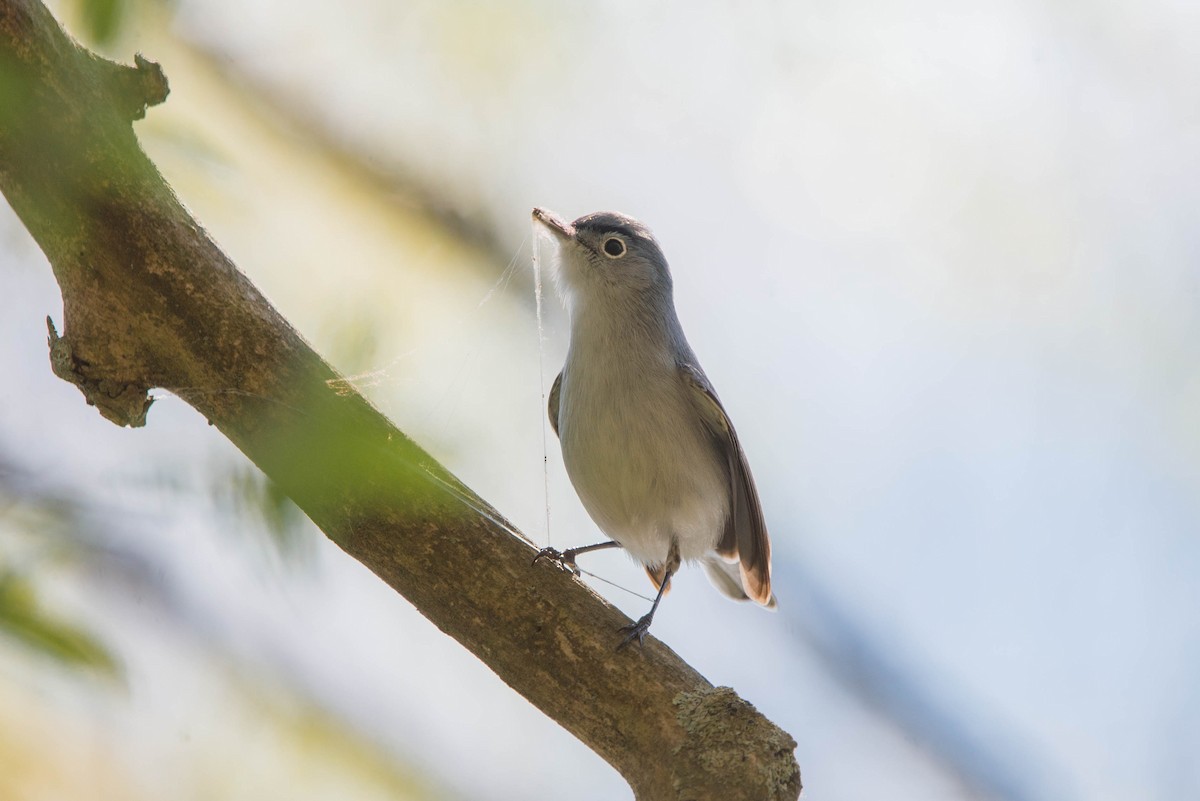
[941, 260]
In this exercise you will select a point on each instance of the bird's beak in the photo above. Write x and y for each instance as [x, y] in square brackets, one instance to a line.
[557, 225]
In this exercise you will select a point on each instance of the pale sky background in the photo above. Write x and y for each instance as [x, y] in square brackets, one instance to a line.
[941, 262]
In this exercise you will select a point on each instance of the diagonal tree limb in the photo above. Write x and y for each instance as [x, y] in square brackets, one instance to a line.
[150, 301]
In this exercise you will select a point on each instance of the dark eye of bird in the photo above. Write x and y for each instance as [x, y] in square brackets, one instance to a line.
[614, 247]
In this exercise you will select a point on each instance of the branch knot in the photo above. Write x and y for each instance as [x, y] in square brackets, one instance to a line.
[139, 87]
[727, 736]
[120, 402]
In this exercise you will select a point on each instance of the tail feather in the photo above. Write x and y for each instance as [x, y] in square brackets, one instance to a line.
[727, 577]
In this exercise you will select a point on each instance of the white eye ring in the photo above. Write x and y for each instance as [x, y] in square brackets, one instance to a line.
[618, 252]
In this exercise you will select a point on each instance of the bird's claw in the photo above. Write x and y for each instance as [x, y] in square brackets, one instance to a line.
[635, 631]
[563, 560]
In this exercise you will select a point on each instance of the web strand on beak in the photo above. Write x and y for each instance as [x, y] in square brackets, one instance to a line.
[541, 341]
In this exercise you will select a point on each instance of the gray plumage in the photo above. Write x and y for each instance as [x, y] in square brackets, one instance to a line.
[645, 440]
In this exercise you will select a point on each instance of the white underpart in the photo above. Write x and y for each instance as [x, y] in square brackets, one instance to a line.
[632, 444]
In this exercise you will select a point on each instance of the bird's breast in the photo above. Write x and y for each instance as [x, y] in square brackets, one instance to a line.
[638, 455]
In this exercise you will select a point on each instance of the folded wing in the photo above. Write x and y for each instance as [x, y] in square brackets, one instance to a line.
[745, 536]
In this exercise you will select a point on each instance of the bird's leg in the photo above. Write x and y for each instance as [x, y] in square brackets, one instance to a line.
[565, 560]
[637, 631]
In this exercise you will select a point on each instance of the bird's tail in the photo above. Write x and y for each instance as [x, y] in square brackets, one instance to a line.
[727, 577]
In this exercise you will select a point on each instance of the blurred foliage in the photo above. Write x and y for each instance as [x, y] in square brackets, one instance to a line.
[102, 19]
[49, 518]
[100, 23]
[249, 494]
[23, 619]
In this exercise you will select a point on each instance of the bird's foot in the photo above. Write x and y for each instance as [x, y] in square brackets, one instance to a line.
[636, 631]
[563, 560]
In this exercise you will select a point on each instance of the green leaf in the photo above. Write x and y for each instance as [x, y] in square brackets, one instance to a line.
[21, 619]
[102, 19]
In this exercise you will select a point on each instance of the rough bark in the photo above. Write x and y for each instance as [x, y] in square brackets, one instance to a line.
[150, 301]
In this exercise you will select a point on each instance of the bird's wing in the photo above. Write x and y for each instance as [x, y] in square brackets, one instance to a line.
[552, 406]
[745, 537]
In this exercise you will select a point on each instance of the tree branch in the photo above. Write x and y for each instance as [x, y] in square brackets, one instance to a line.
[150, 301]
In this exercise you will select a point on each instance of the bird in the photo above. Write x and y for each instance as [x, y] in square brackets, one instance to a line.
[646, 442]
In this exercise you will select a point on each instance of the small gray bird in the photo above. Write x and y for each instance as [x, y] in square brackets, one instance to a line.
[646, 443]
